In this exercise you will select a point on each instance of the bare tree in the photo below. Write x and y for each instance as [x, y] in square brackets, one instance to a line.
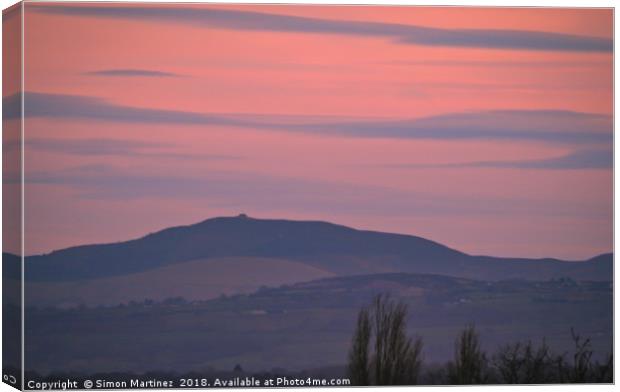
[582, 358]
[358, 356]
[509, 363]
[535, 363]
[605, 371]
[396, 358]
[469, 364]
[524, 364]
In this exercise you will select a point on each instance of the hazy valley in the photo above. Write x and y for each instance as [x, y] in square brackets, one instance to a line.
[283, 294]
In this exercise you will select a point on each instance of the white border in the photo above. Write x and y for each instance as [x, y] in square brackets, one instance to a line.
[23, 190]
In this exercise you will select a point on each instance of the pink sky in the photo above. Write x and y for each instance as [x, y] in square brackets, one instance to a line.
[310, 106]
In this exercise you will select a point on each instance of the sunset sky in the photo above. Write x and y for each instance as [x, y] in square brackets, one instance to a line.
[486, 129]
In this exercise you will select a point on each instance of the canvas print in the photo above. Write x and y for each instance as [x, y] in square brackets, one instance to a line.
[213, 195]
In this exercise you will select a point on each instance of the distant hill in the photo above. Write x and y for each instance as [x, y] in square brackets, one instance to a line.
[331, 248]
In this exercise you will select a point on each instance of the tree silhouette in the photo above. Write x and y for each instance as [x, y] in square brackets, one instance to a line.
[395, 358]
[604, 372]
[524, 364]
[509, 363]
[581, 359]
[358, 356]
[469, 360]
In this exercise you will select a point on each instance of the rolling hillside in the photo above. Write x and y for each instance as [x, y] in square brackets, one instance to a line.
[335, 249]
[192, 280]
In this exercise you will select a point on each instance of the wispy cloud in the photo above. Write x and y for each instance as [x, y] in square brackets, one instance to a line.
[556, 126]
[519, 64]
[91, 146]
[577, 160]
[133, 73]
[400, 33]
[113, 147]
[91, 108]
[249, 191]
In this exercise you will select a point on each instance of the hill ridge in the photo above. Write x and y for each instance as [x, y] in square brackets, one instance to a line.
[339, 249]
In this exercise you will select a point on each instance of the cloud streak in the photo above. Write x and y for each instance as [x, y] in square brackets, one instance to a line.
[399, 33]
[504, 125]
[91, 108]
[552, 126]
[133, 73]
[90, 146]
[247, 191]
[503, 64]
[577, 160]
[112, 147]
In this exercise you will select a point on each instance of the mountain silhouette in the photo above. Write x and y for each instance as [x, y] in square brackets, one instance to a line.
[336, 249]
